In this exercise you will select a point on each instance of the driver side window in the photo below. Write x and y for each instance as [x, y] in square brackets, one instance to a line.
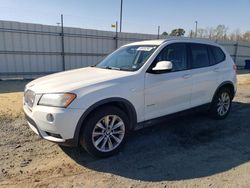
[176, 53]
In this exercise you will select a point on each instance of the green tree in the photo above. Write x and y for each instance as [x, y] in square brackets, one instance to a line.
[177, 32]
[165, 33]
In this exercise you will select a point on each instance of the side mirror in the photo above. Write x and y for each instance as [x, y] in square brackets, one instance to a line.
[163, 66]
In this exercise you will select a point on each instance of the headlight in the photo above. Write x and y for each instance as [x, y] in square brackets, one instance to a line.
[57, 99]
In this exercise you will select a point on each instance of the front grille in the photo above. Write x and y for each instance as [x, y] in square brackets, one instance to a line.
[29, 98]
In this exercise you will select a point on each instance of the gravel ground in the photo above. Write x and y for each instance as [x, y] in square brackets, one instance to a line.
[190, 151]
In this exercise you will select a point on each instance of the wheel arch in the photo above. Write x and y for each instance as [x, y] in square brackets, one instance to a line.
[226, 84]
[121, 103]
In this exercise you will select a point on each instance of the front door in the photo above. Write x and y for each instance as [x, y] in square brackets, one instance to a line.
[170, 92]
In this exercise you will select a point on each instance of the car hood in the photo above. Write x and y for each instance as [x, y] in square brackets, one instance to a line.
[68, 81]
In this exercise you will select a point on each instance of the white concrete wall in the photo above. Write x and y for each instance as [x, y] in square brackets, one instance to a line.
[30, 50]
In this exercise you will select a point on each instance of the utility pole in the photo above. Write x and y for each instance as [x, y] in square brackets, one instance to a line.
[159, 28]
[121, 16]
[196, 25]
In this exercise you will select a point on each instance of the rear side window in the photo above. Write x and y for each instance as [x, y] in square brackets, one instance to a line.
[218, 54]
[211, 56]
[199, 55]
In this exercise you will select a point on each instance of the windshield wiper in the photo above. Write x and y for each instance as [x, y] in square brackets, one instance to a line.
[116, 68]
[112, 68]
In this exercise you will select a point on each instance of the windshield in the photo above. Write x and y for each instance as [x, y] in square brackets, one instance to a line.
[128, 58]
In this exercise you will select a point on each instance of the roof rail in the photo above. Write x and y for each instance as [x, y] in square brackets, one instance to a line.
[169, 38]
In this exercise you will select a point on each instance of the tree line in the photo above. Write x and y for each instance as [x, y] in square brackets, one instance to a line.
[221, 32]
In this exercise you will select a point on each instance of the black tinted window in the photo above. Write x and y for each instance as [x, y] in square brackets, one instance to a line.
[211, 56]
[176, 53]
[199, 54]
[219, 55]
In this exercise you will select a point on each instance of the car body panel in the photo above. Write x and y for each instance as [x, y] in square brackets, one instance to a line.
[166, 93]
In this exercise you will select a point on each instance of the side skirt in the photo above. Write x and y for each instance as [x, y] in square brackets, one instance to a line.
[157, 120]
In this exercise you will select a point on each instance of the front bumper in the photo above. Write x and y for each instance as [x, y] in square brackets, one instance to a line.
[61, 130]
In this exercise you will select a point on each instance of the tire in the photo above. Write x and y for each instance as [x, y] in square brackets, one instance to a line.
[100, 140]
[221, 104]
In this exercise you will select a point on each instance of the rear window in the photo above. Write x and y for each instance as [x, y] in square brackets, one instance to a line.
[218, 54]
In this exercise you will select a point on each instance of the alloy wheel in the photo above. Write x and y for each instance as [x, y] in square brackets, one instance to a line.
[223, 104]
[108, 133]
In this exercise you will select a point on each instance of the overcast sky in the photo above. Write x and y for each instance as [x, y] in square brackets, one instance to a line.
[139, 15]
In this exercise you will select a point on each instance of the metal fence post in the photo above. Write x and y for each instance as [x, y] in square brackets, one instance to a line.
[116, 35]
[62, 37]
[236, 51]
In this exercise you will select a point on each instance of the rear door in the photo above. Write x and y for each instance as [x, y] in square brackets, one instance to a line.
[204, 73]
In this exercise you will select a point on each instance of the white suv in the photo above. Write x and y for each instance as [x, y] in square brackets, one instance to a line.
[96, 107]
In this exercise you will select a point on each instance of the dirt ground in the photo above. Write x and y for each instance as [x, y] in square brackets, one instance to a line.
[190, 151]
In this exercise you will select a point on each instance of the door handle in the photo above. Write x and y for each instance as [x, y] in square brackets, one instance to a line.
[186, 76]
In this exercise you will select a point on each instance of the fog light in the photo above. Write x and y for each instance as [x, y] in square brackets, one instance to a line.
[50, 118]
